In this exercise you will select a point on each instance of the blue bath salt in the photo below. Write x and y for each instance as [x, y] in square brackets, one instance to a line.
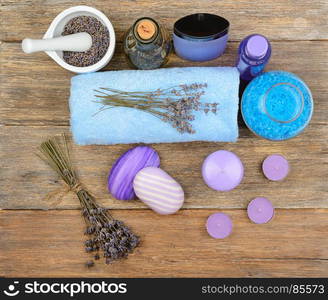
[277, 105]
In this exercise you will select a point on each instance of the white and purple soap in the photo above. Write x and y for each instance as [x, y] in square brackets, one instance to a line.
[158, 190]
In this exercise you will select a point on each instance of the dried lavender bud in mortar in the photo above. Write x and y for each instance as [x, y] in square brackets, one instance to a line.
[100, 41]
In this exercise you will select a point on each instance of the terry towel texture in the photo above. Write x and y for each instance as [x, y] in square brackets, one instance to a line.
[126, 125]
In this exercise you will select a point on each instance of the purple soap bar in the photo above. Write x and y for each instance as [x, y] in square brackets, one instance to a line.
[222, 170]
[260, 210]
[275, 167]
[121, 176]
[219, 225]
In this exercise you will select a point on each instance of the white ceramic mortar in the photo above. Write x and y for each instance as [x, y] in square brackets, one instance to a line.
[57, 27]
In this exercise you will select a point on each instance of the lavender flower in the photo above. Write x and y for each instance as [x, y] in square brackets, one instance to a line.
[174, 105]
[107, 234]
[104, 232]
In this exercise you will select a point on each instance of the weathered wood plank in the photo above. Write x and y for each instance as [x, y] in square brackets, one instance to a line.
[34, 89]
[26, 180]
[292, 20]
[293, 244]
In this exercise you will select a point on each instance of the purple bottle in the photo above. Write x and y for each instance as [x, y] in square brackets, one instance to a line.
[253, 54]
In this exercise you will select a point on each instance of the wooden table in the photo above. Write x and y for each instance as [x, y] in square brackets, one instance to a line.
[41, 233]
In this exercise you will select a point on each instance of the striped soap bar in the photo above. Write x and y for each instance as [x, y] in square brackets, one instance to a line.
[158, 190]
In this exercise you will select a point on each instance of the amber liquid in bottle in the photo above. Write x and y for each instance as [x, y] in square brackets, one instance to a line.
[147, 44]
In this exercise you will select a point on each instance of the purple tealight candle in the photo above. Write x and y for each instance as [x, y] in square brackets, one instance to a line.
[260, 210]
[222, 170]
[275, 167]
[219, 225]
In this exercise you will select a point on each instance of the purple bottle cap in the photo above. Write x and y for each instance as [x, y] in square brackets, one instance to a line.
[257, 46]
[219, 225]
[260, 210]
[275, 167]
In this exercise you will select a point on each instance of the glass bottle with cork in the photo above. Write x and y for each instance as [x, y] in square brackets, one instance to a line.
[147, 44]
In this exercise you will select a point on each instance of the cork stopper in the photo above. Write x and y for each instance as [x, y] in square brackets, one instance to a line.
[146, 29]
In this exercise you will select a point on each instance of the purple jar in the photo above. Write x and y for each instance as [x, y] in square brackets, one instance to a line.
[200, 37]
[253, 54]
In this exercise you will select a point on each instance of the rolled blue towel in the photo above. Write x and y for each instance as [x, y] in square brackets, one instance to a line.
[122, 125]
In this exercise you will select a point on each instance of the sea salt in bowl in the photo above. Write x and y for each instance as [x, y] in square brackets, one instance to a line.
[57, 27]
[277, 105]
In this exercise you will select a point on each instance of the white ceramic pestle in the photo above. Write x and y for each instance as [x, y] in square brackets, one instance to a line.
[77, 42]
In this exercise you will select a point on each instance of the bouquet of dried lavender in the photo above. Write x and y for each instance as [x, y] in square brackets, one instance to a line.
[105, 233]
[173, 105]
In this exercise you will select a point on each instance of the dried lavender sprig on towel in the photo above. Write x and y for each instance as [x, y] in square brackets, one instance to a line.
[173, 105]
[106, 234]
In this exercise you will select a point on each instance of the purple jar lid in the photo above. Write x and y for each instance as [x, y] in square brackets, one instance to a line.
[121, 176]
[219, 225]
[257, 46]
[260, 210]
[201, 27]
[222, 170]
